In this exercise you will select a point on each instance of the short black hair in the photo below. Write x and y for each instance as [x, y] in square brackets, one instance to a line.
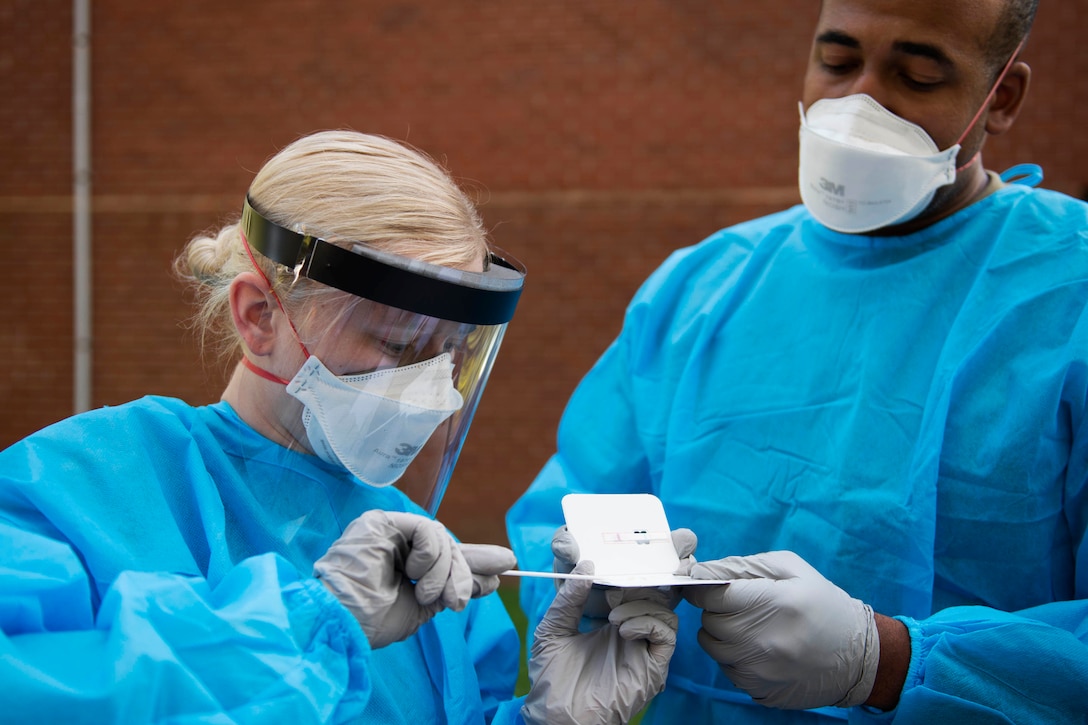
[1012, 27]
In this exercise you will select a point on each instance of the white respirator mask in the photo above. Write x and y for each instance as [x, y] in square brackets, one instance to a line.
[374, 424]
[864, 168]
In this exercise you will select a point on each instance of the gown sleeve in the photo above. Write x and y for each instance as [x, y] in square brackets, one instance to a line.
[975, 664]
[263, 643]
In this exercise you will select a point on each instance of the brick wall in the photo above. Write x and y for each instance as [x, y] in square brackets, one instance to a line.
[599, 135]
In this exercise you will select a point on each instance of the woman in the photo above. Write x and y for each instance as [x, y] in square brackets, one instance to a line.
[252, 560]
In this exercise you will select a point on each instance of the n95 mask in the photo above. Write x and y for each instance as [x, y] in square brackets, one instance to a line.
[864, 168]
[374, 424]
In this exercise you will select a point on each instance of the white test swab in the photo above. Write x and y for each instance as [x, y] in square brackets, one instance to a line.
[546, 574]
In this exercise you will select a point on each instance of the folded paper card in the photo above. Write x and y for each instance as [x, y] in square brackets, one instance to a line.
[628, 539]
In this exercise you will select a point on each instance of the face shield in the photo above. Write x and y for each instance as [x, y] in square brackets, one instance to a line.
[392, 379]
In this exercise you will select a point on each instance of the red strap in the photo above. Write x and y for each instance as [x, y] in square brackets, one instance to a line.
[993, 90]
[262, 372]
[245, 360]
[249, 253]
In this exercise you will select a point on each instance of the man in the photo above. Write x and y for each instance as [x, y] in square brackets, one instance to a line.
[875, 404]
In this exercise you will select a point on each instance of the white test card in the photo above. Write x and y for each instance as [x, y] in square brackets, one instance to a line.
[621, 533]
[626, 536]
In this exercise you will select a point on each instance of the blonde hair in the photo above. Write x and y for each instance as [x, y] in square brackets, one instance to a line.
[345, 187]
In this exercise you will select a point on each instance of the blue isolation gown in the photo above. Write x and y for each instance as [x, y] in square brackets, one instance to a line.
[907, 414]
[155, 565]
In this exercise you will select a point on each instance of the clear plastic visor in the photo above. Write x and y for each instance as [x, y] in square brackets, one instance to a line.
[369, 336]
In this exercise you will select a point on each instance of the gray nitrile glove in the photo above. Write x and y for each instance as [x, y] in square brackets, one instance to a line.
[486, 562]
[685, 541]
[784, 634]
[393, 571]
[601, 677]
[602, 599]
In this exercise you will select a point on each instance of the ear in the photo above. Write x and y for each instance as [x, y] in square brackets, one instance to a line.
[1008, 99]
[251, 308]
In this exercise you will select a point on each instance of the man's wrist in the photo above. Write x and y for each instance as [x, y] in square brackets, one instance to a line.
[891, 672]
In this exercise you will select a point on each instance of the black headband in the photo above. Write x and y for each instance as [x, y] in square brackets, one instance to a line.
[486, 298]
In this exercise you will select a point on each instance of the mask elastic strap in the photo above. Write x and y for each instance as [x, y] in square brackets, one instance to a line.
[262, 372]
[986, 102]
[245, 360]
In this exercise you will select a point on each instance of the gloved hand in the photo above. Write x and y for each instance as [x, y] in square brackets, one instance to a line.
[604, 676]
[601, 600]
[784, 634]
[394, 571]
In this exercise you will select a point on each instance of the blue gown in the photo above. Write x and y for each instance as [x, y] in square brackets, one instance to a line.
[155, 565]
[908, 414]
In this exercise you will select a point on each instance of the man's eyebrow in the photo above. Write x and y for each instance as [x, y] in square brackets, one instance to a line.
[923, 50]
[837, 37]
